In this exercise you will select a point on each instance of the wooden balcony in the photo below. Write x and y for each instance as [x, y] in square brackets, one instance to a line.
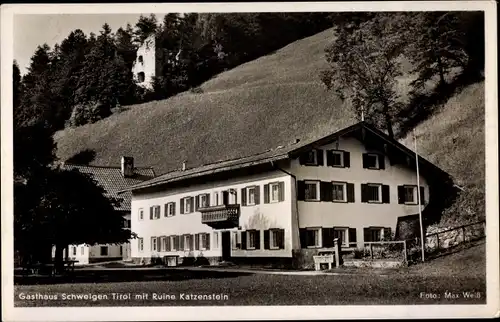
[221, 216]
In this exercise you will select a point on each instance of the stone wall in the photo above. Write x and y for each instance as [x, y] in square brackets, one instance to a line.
[441, 238]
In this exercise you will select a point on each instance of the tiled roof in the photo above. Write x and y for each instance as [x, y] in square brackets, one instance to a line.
[112, 180]
[279, 153]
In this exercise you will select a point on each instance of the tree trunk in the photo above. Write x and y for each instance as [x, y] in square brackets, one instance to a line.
[442, 81]
[58, 257]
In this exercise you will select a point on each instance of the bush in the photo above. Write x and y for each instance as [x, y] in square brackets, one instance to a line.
[88, 113]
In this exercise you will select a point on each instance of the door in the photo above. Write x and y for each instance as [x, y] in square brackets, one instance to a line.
[226, 245]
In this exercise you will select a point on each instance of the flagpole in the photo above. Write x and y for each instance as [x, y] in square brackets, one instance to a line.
[419, 201]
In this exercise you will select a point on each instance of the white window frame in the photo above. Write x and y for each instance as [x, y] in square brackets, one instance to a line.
[140, 244]
[235, 237]
[377, 163]
[163, 244]
[273, 244]
[320, 237]
[255, 232]
[187, 243]
[141, 213]
[154, 242]
[216, 198]
[310, 182]
[344, 243]
[203, 197]
[415, 195]
[202, 241]
[170, 209]
[341, 153]
[271, 196]
[82, 250]
[379, 192]
[253, 188]
[172, 243]
[315, 162]
[344, 190]
[187, 203]
[380, 229]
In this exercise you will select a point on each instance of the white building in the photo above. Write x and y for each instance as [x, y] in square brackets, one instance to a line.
[145, 67]
[112, 179]
[286, 204]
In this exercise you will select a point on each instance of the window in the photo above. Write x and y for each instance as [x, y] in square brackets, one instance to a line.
[236, 240]
[376, 234]
[74, 250]
[141, 214]
[274, 239]
[373, 161]
[82, 250]
[374, 193]
[157, 212]
[140, 244]
[140, 77]
[140, 59]
[204, 200]
[336, 158]
[339, 191]
[216, 239]
[154, 245]
[251, 196]
[187, 206]
[121, 250]
[252, 239]
[203, 241]
[313, 236]
[275, 192]
[311, 190]
[104, 250]
[410, 194]
[311, 157]
[170, 209]
[216, 198]
[187, 242]
[343, 235]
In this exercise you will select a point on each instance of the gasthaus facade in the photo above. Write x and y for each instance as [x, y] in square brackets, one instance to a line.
[356, 185]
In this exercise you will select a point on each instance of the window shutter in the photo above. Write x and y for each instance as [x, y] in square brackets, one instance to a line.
[302, 158]
[182, 206]
[191, 242]
[257, 195]
[365, 163]
[329, 158]
[387, 233]
[197, 203]
[350, 192]
[243, 240]
[320, 157]
[266, 193]
[207, 238]
[347, 159]
[207, 197]
[381, 161]
[244, 196]
[281, 239]
[385, 194]
[327, 236]
[364, 192]
[151, 213]
[366, 235]
[303, 237]
[173, 208]
[422, 195]
[281, 191]
[197, 242]
[177, 242]
[352, 236]
[235, 196]
[266, 239]
[257, 239]
[401, 194]
[325, 191]
[301, 190]
[169, 247]
[165, 210]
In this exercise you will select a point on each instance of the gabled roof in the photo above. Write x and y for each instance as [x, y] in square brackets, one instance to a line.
[112, 180]
[280, 153]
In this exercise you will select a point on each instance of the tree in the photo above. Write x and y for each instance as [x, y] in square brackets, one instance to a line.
[17, 87]
[125, 46]
[145, 27]
[363, 66]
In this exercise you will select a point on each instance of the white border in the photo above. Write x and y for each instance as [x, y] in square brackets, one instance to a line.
[252, 312]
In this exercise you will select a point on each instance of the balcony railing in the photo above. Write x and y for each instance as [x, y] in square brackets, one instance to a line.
[221, 216]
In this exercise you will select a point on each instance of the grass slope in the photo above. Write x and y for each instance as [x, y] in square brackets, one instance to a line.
[257, 106]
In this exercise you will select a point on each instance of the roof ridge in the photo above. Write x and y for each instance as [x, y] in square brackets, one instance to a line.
[103, 166]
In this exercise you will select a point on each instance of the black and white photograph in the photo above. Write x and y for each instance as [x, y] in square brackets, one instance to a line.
[268, 160]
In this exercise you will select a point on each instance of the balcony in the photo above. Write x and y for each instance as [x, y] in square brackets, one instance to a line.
[221, 216]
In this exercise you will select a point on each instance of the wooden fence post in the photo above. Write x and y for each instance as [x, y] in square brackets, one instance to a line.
[371, 251]
[405, 254]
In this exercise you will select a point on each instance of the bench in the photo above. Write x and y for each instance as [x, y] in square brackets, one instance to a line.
[171, 260]
[323, 259]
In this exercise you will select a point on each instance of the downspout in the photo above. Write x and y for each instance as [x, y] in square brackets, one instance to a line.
[296, 201]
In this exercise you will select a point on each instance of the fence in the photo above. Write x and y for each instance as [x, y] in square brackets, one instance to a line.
[381, 250]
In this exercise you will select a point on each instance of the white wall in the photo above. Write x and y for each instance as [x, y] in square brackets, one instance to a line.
[260, 217]
[355, 215]
[113, 251]
[148, 66]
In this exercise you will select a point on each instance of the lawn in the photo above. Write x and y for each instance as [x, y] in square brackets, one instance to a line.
[441, 281]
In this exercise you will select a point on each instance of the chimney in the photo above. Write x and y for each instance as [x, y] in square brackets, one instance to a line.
[184, 166]
[297, 141]
[127, 167]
